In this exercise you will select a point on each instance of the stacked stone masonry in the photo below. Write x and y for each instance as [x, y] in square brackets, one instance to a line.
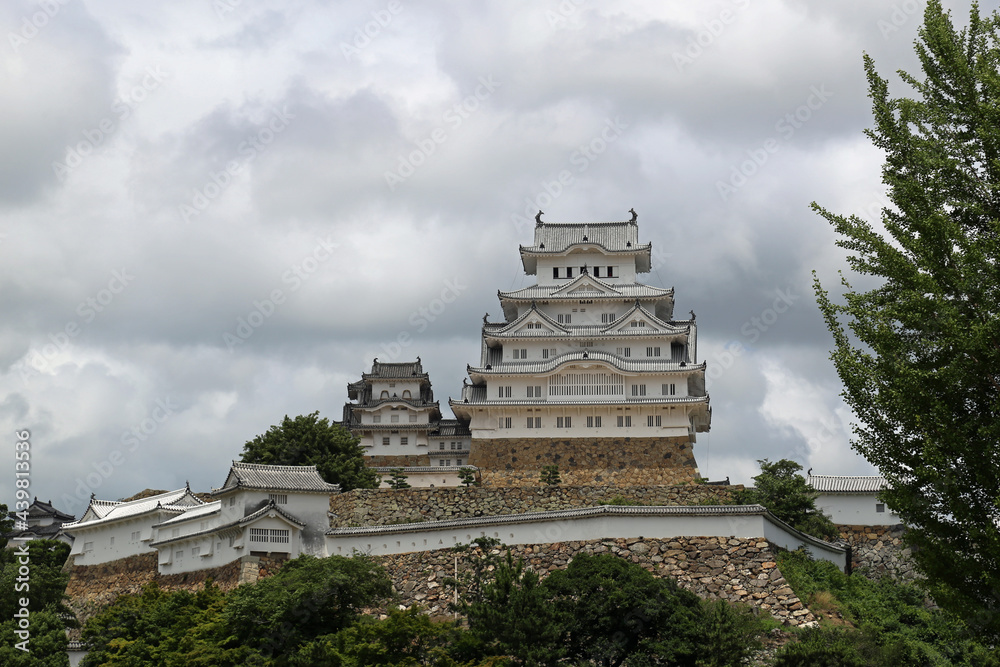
[738, 570]
[620, 461]
[379, 507]
[880, 551]
[398, 461]
[93, 587]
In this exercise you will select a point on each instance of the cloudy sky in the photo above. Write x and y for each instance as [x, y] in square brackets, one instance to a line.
[217, 212]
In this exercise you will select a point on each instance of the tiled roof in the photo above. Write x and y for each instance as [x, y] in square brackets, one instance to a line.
[43, 509]
[611, 236]
[110, 510]
[624, 291]
[395, 370]
[275, 478]
[451, 428]
[232, 524]
[847, 483]
[625, 365]
[193, 513]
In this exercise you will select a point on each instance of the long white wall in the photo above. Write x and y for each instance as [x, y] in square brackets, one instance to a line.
[580, 525]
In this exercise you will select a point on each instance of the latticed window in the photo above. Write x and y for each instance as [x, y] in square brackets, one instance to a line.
[280, 535]
[258, 534]
[586, 384]
[279, 498]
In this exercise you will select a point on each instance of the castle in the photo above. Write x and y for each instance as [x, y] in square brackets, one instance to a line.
[589, 371]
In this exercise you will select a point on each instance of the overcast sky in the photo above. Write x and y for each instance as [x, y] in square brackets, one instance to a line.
[217, 212]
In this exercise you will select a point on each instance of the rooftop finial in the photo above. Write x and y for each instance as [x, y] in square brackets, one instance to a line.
[485, 317]
[635, 216]
[538, 217]
[693, 316]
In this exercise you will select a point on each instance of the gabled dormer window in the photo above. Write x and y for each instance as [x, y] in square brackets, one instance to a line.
[385, 394]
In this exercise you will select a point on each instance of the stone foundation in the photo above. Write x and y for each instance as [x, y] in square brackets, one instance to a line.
[880, 550]
[400, 461]
[620, 461]
[93, 587]
[739, 570]
[378, 507]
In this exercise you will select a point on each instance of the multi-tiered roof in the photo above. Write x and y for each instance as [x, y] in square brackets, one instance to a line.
[587, 320]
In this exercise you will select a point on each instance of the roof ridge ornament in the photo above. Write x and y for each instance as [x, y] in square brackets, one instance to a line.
[538, 217]
[635, 216]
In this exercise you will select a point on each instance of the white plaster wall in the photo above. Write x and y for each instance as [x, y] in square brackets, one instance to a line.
[674, 421]
[105, 549]
[420, 537]
[855, 509]
[448, 477]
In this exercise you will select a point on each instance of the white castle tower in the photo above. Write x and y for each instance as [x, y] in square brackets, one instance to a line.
[588, 371]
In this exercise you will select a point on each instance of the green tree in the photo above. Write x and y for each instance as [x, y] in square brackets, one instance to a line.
[45, 578]
[614, 610]
[789, 497]
[308, 597]
[550, 476]
[398, 479]
[467, 476]
[6, 525]
[309, 440]
[921, 361]
[46, 644]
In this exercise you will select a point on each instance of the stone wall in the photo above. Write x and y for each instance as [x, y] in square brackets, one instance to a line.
[398, 461]
[92, 587]
[377, 507]
[880, 550]
[739, 570]
[621, 461]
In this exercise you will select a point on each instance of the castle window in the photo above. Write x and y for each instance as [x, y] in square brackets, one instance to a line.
[404, 440]
[555, 272]
[453, 445]
[135, 536]
[654, 420]
[586, 384]
[534, 392]
[441, 462]
[258, 534]
[594, 422]
[638, 390]
[569, 271]
[669, 389]
[413, 419]
[88, 546]
[879, 507]
[384, 394]
[179, 554]
[597, 272]
[611, 272]
[406, 393]
[394, 419]
[280, 535]
[385, 440]
[441, 446]
[279, 498]
[504, 392]
[564, 422]
[652, 351]
[520, 354]
[608, 318]
[534, 422]
[566, 318]
[376, 419]
[458, 462]
[195, 551]
[503, 423]
[624, 421]
[623, 351]
[548, 353]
